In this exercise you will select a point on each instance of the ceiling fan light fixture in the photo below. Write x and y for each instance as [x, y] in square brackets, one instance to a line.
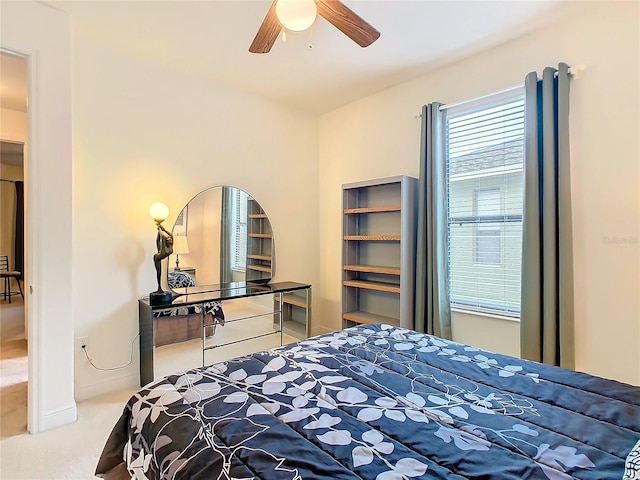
[296, 15]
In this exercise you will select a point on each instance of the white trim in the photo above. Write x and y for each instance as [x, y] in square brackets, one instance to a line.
[33, 252]
[35, 409]
[507, 94]
[480, 102]
[61, 416]
[129, 382]
[511, 99]
[485, 314]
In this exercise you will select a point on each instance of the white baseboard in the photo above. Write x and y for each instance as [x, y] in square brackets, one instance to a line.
[57, 418]
[85, 392]
[319, 330]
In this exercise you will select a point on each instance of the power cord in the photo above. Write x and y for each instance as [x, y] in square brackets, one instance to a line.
[84, 349]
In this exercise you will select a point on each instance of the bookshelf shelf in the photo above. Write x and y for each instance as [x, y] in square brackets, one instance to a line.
[372, 269]
[378, 267]
[259, 258]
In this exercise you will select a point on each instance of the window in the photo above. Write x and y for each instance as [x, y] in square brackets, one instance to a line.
[239, 230]
[487, 232]
[485, 181]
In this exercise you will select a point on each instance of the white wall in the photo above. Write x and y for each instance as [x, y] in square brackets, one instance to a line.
[378, 136]
[142, 134]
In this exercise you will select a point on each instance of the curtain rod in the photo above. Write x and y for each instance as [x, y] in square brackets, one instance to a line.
[506, 91]
[5, 180]
[575, 72]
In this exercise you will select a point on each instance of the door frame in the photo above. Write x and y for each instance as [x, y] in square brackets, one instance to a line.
[34, 401]
[48, 208]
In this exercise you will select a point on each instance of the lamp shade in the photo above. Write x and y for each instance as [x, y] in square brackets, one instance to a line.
[296, 15]
[159, 212]
[180, 245]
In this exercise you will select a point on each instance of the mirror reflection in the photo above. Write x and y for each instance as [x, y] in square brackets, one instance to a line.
[222, 240]
[221, 236]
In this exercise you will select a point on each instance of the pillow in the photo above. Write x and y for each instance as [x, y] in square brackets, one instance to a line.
[632, 466]
[178, 279]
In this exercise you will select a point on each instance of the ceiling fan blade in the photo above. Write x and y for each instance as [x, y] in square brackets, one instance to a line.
[347, 21]
[267, 33]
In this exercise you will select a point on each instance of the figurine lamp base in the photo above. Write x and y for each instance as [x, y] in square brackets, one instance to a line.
[160, 297]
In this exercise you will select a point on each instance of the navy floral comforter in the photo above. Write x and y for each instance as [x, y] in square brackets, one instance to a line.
[376, 402]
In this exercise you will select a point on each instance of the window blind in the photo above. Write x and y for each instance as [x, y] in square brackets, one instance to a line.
[239, 241]
[485, 181]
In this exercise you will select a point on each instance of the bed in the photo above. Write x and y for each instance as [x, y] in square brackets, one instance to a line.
[377, 402]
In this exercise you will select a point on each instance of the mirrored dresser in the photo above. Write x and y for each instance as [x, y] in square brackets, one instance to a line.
[205, 319]
[231, 307]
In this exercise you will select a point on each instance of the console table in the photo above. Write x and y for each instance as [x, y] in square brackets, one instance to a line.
[199, 296]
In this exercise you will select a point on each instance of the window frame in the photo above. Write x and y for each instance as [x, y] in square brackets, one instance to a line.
[238, 232]
[478, 306]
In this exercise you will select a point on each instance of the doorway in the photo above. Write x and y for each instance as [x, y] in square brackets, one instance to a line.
[13, 316]
[48, 202]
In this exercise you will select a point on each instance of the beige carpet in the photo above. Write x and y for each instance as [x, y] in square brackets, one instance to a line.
[69, 452]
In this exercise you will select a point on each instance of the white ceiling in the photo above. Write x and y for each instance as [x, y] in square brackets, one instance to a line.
[211, 39]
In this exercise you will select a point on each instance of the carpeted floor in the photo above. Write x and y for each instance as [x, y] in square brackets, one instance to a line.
[69, 452]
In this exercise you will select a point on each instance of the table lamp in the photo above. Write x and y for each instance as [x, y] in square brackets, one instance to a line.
[164, 243]
[180, 247]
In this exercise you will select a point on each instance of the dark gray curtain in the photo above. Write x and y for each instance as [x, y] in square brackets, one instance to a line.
[225, 235]
[546, 329]
[18, 246]
[432, 309]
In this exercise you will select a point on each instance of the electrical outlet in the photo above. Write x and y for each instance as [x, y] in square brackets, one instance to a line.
[80, 342]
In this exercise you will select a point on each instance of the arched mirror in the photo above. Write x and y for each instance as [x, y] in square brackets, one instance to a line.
[221, 236]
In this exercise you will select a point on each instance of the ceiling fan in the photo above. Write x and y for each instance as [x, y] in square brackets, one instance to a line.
[334, 11]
